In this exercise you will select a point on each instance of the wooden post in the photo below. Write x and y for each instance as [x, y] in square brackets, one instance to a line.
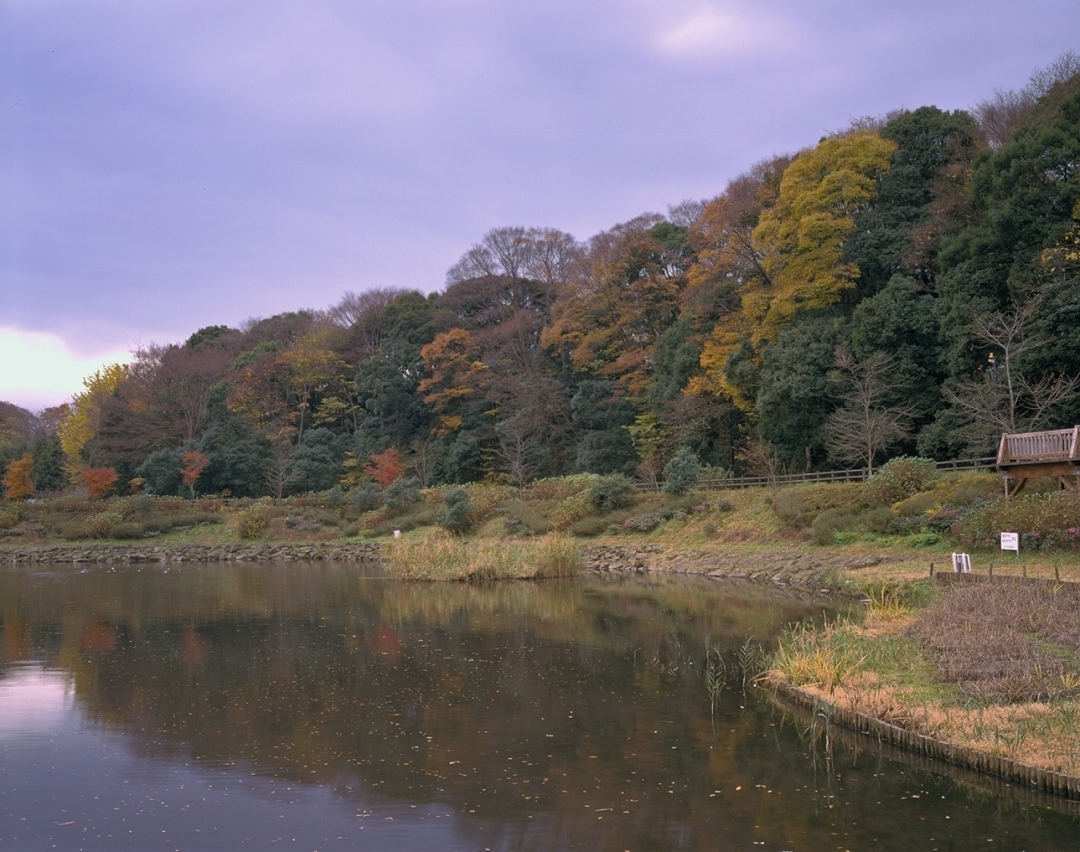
[991, 570]
[1023, 570]
[931, 570]
[1057, 577]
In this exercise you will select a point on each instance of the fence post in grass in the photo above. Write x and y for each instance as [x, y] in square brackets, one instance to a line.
[1057, 577]
[991, 570]
[931, 570]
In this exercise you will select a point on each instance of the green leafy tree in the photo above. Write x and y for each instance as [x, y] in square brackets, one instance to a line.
[48, 464]
[682, 472]
[901, 321]
[920, 202]
[601, 415]
[1023, 196]
[794, 400]
[316, 462]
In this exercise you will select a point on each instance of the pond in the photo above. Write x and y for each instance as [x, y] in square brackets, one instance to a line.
[323, 706]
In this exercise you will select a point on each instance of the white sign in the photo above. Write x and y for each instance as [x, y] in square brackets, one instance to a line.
[1010, 541]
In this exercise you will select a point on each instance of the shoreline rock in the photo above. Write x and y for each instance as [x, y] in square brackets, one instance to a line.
[807, 570]
[172, 554]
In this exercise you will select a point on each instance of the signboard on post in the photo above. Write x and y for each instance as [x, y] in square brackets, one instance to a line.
[961, 563]
[1010, 541]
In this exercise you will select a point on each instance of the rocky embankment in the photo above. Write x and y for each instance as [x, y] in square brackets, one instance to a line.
[134, 553]
[798, 569]
[779, 567]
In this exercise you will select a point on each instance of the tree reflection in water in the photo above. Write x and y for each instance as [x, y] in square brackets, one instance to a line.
[512, 716]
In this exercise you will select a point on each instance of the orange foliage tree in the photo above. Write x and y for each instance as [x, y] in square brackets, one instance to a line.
[99, 481]
[386, 466]
[192, 464]
[18, 480]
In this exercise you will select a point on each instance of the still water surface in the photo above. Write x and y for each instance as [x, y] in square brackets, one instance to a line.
[323, 707]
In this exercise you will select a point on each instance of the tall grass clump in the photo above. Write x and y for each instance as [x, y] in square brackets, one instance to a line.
[443, 557]
[823, 657]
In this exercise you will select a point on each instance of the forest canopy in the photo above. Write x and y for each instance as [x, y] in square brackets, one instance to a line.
[908, 285]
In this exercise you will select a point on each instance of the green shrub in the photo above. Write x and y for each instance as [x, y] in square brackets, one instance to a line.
[917, 504]
[366, 497]
[420, 515]
[456, 513]
[75, 531]
[1044, 521]
[900, 525]
[127, 530]
[253, 521]
[877, 520]
[588, 527]
[642, 523]
[825, 526]
[969, 489]
[792, 507]
[101, 525]
[897, 479]
[9, 517]
[523, 519]
[303, 523]
[681, 472]
[571, 510]
[401, 494]
[610, 493]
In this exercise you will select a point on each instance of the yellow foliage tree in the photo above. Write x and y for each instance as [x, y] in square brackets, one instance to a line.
[801, 239]
[80, 423]
[455, 374]
[18, 479]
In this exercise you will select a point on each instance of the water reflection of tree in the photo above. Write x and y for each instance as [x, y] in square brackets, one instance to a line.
[533, 709]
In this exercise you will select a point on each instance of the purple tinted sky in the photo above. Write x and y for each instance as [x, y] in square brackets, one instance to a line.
[173, 164]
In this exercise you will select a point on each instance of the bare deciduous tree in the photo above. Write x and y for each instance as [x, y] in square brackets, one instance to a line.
[865, 425]
[760, 459]
[520, 447]
[1000, 115]
[1005, 399]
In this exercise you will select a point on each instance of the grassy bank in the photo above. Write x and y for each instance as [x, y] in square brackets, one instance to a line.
[990, 666]
[891, 528]
[444, 557]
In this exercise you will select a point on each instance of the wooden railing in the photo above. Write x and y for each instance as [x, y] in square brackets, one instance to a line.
[858, 474]
[1058, 445]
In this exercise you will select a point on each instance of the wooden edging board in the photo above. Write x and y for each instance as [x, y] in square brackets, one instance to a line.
[1031, 777]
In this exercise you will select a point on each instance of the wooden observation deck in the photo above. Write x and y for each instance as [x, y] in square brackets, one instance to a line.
[1031, 454]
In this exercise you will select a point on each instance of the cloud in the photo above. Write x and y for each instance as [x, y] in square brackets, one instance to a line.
[41, 371]
[713, 32]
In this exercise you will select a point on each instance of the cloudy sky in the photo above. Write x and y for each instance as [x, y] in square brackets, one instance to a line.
[173, 164]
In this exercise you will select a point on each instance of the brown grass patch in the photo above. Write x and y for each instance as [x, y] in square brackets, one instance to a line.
[1006, 642]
